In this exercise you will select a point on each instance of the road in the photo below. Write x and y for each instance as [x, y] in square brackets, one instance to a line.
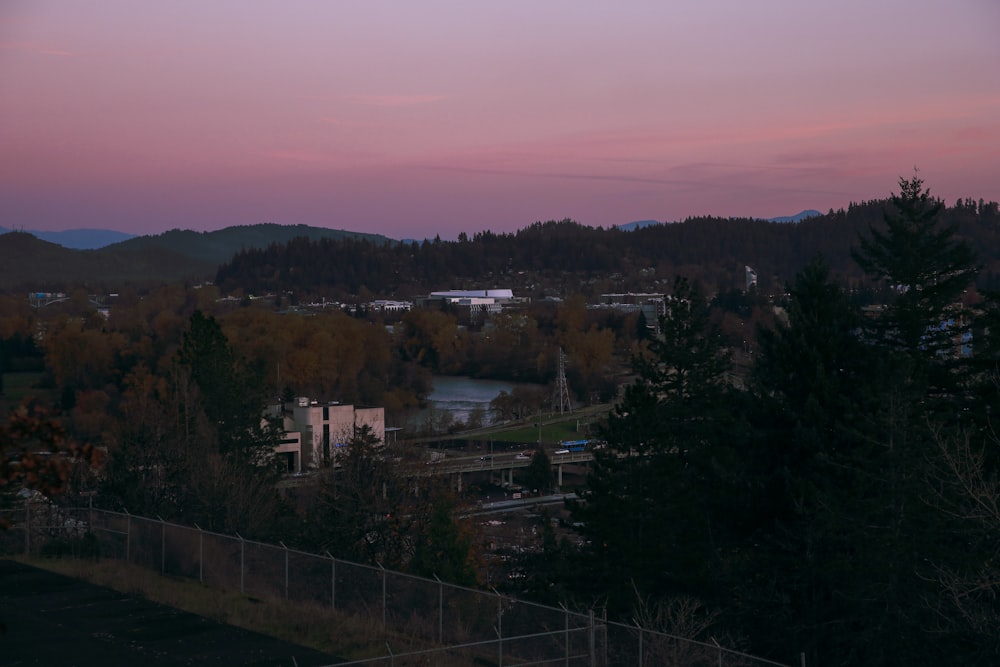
[504, 506]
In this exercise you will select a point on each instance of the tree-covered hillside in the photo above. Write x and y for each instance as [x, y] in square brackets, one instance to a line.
[29, 263]
[220, 245]
[545, 256]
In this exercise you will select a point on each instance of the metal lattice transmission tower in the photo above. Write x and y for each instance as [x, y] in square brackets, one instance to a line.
[562, 389]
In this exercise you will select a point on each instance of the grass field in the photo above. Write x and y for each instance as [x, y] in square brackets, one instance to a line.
[556, 427]
[552, 432]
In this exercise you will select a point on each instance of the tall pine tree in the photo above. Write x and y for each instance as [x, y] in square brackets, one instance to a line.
[647, 510]
[927, 269]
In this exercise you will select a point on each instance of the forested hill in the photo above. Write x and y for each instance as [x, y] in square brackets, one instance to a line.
[220, 245]
[566, 256]
[27, 262]
[175, 256]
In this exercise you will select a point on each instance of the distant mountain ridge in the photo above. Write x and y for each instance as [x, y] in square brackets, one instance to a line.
[26, 260]
[798, 217]
[220, 245]
[78, 239]
[637, 224]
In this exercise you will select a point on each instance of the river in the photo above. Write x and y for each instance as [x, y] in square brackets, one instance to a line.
[458, 397]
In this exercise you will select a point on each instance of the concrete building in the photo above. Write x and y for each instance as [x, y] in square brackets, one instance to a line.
[387, 306]
[313, 431]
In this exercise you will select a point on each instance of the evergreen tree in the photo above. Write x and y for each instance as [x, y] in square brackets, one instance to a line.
[227, 447]
[231, 394]
[926, 267]
[815, 370]
[846, 544]
[926, 386]
[445, 549]
[647, 510]
[360, 514]
[812, 470]
[538, 475]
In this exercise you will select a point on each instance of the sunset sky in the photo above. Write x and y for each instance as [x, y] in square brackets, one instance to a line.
[412, 119]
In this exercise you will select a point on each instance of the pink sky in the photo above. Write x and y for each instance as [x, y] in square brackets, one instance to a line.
[412, 119]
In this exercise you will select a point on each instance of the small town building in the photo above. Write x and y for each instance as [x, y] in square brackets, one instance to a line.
[313, 431]
[478, 303]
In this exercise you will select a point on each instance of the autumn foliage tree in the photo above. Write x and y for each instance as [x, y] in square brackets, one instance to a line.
[36, 454]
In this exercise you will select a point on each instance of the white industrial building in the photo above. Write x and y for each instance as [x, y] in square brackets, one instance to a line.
[476, 302]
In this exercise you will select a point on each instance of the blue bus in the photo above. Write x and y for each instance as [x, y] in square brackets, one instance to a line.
[574, 445]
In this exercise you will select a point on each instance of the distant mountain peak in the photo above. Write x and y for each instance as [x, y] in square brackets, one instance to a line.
[79, 239]
[798, 217]
[637, 224]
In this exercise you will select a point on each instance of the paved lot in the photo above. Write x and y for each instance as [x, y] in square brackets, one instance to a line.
[54, 620]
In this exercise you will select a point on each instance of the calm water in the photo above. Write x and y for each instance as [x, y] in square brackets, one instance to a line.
[459, 396]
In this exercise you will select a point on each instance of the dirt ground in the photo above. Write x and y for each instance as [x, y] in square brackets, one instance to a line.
[53, 620]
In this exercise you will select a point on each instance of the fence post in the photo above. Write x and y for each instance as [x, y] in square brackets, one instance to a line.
[163, 544]
[499, 628]
[720, 649]
[641, 657]
[384, 606]
[333, 581]
[128, 537]
[27, 526]
[201, 554]
[566, 616]
[242, 549]
[286, 567]
[592, 640]
[440, 610]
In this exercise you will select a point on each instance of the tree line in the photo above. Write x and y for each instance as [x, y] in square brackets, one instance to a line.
[552, 256]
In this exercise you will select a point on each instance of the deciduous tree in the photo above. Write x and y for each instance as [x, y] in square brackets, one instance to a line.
[35, 453]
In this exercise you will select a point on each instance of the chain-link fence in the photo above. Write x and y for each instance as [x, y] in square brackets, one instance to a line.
[457, 625]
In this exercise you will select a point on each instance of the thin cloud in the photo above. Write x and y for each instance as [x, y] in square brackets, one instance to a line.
[394, 100]
[338, 122]
[296, 156]
[977, 134]
[619, 178]
[30, 47]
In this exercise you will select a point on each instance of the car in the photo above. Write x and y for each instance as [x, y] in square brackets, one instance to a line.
[488, 457]
[524, 456]
[561, 451]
